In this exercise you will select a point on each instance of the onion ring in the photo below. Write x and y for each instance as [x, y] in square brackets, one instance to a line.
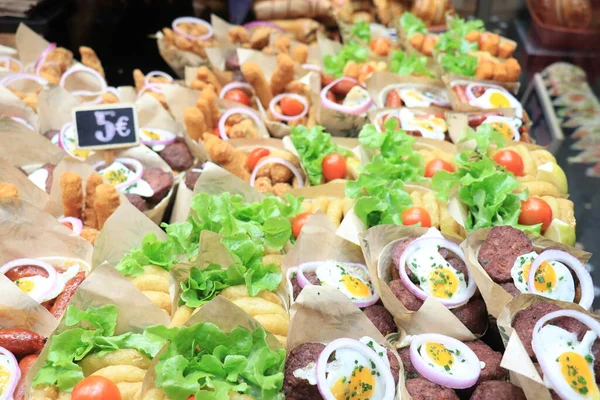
[13, 371]
[357, 110]
[235, 85]
[584, 277]
[11, 60]
[193, 20]
[287, 118]
[52, 274]
[76, 224]
[7, 80]
[153, 87]
[39, 63]
[417, 291]
[152, 74]
[139, 171]
[229, 113]
[277, 160]
[79, 69]
[61, 141]
[163, 142]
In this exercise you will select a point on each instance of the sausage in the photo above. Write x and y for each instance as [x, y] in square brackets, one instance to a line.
[21, 342]
[343, 87]
[25, 364]
[331, 96]
[477, 119]
[460, 92]
[393, 99]
[326, 80]
[61, 302]
[25, 271]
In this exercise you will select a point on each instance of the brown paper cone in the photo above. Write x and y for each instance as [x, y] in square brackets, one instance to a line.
[465, 107]
[27, 190]
[55, 106]
[177, 59]
[458, 122]
[26, 149]
[12, 106]
[214, 180]
[380, 80]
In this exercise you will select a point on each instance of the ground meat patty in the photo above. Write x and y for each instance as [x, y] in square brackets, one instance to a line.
[160, 181]
[177, 155]
[238, 76]
[397, 253]
[298, 388]
[500, 251]
[511, 288]
[473, 315]
[190, 178]
[394, 366]
[491, 358]
[410, 301]
[51, 133]
[232, 63]
[497, 390]
[312, 278]
[409, 368]
[137, 201]
[381, 318]
[422, 389]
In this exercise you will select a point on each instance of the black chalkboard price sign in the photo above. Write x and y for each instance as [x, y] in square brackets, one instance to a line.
[103, 127]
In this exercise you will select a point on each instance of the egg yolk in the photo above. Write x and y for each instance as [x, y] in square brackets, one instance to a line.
[360, 386]
[431, 124]
[355, 286]
[440, 355]
[545, 276]
[115, 176]
[578, 374]
[498, 100]
[414, 95]
[504, 129]
[25, 285]
[4, 379]
[81, 153]
[152, 135]
[443, 282]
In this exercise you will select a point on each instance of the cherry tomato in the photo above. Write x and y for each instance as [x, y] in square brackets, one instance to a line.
[414, 215]
[191, 398]
[256, 155]
[239, 96]
[299, 222]
[96, 388]
[381, 46]
[436, 165]
[364, 73]
[535, 211]
[291, 106]
[334, 167]
[511, 160]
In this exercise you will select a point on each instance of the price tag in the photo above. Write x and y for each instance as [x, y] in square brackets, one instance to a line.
[106, 127]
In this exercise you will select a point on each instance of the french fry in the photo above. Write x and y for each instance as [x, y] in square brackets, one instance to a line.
[348, 204]
[258, 306]
[274, 323]
[94, 362]
[417, 199]
[320, 204]
[307, 206]
[431, 205]
[122, 373]
[160, 299]
[129, 390]
[181, 315]
[240, 291]
[335, 211]
[447, 223]
[151, 282]
[71, 189]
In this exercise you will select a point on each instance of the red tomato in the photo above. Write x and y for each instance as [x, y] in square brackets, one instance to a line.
[191, 398]
[414, 215]
[511, 160]
[256, 155]
[334, 167]
[381, 46]
[436, 165]
[364, 72]
[535, 211]
[290, 106]
[299, 222]
[96, 388]
[68, 225]
[239, 96]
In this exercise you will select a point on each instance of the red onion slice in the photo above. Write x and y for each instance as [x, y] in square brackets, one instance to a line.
[161, 74]
[441, 378]
[287, 118]
[278, 160]
[23, 122]
[76, 224]
[153, 87]
[83, 69]
[356, 110]
[14, 373]
[351, 345]
[306, 267]
[232, 111]
[138, 169]
[11, 60]
[545, 359]
[469, 89]
[312, 67]
[170, 137]
[256, 24]
[193, 20]
[114, 91]
[457, 299]
[39, 63]
[51, 280]
[584, 277]
[235, 85]
[7, 80]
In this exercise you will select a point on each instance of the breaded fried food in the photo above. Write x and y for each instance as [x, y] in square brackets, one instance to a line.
[282, 44]
[31, 100]
[243, 129]
[8, 190]
[139, 79]
[300, 54]
[106, 202]
[89, 213]
[417, 40]
[51, 72]
[506, 48]
[263, 185]
[230, 158]
[500, 73]
[182, 42]
[489, 42]
[238, 35]
[71, 189]
[513, 69]
[194, 122]
[213, 103]
[109, 98]
[351, 69]
[89, 234]
[206, 75]
[91, 60]
[62, 57]
[169, 35]
[204, 107]
[484, 70]
[283, 74]
[260, 38]
[199, 47]
[255, 77]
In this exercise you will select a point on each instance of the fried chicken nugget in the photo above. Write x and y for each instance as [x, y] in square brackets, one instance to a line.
[71, 190]
[260, 38]
[300, 54]
[283, 74]
[255, 77]
[51, 73]
[213, 103]
[199, 47]
[417, 40]
[473, 36]
[62, 57]
[513, 69]
[506, 48]
[243, 129]
[238, 35]
[139, 79]
[194, 122]
[89, 234]
[351, 69]
[8, 190]
[204, 107]
[489, 42]
[90, 59]
[206, 75]
[182, 42]
[298, 88]
[89, 213]
[282, 44]
[500, 73]
[109, 98]
[484, 70]
[31, 101]
[106, 202]
[230, 158]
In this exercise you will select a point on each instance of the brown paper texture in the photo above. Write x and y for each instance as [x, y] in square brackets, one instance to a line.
[216, 58]
[334, 189]
[55, 106]
[29, 44]
[432, 317]
[27, 190]
[24, 148]
[214, 180]
[465, 107]
[177, 59]
[495, 297]
[380, 80]
[151, 114]
[515, 359]
[12, 106]
[183, 199]
[221, 28]
[336, 317]
[458, 122]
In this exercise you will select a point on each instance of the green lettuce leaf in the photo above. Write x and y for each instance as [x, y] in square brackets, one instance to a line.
[361, 30]
[333, 64]
[403, 64]
[412, 24]
[460, 64]
[152, 251]
[453, 40]
[484, 137]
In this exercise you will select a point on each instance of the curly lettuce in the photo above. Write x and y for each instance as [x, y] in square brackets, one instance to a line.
[403, 64]
[334, 64]
[412, 24]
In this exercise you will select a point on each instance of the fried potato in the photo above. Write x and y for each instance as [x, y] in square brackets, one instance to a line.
[129, 389]
[155, 394]
[122, 373]
[553, 205]
[539, 188]
[282, 340]
[542, 156]
[335, 211]
[154, 270]
[431, 205]
[276, 259]
[94, 362]
[259, 306]
[152, 282]
[320, 204]
[447, 223]
[567, 211]
[417, 199]
[529, 166]
[348, 204]
[274, 323]
[181, 315]
[240, 291]
[160, 299]
[306, 206]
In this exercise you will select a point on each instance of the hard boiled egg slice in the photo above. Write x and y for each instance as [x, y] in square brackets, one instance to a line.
[553, 279]
[429, 126]
[496, 98]
[508, 127]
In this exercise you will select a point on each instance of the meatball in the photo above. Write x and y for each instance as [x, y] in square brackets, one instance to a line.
[409, 300]
[177, 155]
[381, 318]
[500, 251]
[138, 201]
[191, 177]
[311, 276]
[473, 315]
[491, 358]
[422, 389]
[497, 390]
[300, 357]
[160, 181]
